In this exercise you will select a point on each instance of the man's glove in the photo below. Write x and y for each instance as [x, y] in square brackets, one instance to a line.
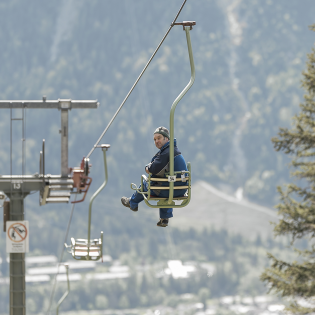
[147, 166]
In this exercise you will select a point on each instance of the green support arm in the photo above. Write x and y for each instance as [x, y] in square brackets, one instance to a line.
[104, 147]
[179, 97]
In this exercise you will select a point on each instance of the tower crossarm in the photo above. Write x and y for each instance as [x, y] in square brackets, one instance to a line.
[29, 183]
[50, 104]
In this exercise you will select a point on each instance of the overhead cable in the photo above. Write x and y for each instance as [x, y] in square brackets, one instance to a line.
[60, 259]
[134, 85]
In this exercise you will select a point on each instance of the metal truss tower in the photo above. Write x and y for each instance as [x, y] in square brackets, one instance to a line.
[52, 188]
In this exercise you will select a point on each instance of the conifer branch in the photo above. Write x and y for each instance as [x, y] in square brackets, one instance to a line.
[297, 208]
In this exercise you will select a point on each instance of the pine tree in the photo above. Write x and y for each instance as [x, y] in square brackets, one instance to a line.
[296, 280]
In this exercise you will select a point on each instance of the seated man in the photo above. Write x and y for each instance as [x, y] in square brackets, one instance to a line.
[158, 166]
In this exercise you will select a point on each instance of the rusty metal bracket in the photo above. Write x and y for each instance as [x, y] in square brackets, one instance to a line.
[86, 183]
[186, 23]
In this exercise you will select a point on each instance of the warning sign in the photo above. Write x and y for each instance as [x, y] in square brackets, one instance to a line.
[17, 237]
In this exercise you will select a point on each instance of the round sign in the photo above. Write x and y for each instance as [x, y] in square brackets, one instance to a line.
[17, 232]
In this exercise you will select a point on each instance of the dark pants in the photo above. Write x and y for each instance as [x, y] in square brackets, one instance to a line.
[136, 198]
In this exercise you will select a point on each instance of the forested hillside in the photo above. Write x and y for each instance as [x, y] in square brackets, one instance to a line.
[249, 57]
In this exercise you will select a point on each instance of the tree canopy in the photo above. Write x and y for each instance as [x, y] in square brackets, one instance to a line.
[296, 279]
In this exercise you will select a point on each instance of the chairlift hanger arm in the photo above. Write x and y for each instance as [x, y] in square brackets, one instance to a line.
[136, 82]
[104, 147]
[187, 26]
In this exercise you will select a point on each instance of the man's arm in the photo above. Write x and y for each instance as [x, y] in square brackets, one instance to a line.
[158, 165]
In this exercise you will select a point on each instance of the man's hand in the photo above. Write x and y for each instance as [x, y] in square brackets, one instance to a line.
[147, 170]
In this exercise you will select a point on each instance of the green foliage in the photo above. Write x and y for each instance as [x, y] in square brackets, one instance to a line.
[102, 48]
[204, 295]
[297, 209]
[172, 301]
[237, 266]
[237, 263]
[101, 301]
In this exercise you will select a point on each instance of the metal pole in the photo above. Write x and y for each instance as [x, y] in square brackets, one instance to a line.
[64, 143]
[11, 141]
[17, 261]
[105, 148]
[179, 97]
[43, 160]
[23, 141]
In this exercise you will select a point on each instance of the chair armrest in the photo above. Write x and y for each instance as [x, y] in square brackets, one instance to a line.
[145, 178]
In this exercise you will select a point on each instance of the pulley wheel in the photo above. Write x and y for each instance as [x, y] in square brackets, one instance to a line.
[86, 167]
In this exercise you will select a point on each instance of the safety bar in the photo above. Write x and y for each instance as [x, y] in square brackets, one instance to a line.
[179, 97]
[158, 179]
[167, 188]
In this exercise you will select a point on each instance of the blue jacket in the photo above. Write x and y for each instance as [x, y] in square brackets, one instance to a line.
[160, 165]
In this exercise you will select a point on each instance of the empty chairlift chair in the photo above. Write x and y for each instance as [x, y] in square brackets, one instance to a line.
[90, 249]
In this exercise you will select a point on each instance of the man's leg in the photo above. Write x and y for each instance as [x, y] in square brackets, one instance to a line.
[136, 198]
[166, 213]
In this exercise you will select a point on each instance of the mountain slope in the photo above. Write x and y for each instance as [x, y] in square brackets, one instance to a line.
[210, 207]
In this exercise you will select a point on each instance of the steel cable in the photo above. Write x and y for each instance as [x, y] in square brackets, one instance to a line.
[60, 259]
[134, 85]
[98, 141]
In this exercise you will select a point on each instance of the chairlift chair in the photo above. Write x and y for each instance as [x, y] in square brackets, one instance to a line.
[87, 249]
[165, 202]
[171, 177]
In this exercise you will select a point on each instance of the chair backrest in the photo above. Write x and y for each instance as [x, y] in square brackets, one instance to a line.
[82, 249]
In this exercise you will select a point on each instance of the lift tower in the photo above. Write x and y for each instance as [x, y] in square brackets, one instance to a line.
[52, 188]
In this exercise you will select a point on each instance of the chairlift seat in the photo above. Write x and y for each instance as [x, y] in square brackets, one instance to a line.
[82, 250]
[164, 202]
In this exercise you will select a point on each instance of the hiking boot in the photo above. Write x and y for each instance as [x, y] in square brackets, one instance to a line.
[162, 223]
[126, 202]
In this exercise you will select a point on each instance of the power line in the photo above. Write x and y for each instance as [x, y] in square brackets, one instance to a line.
[60, 258]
